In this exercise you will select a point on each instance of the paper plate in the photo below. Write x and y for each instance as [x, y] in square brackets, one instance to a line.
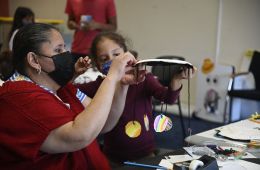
[152, 62]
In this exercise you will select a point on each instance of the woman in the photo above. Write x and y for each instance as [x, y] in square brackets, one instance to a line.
[42, 121]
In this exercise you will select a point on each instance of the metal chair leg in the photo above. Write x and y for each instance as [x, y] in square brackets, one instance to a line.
[181, 119]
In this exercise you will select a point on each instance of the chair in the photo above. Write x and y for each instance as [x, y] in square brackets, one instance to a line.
[164, 75]
[252, 94]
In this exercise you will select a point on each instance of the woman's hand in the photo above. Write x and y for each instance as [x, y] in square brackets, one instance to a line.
[121, 65]
[134, 76]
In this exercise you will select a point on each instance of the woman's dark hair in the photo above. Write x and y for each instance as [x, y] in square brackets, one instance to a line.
[19, 15]
[117, 38]
[28, 39]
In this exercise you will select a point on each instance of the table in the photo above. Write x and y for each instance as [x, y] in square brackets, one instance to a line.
[156, 160]
[210, 135]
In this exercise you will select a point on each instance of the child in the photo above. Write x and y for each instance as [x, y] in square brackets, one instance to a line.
[121, 144]
[22, 17]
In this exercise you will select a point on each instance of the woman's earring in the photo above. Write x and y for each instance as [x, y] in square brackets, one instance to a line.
[39, 70]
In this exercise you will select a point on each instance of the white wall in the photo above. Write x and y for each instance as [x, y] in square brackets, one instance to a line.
[178, 27]
[240, 29]
[171, 27]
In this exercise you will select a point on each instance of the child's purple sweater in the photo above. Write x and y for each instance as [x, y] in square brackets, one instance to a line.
[117, 144]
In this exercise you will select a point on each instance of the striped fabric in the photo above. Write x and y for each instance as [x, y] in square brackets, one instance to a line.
[19, 77]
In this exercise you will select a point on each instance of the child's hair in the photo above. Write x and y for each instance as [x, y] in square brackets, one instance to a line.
[134, 53]
[20, 14]
[117, 38]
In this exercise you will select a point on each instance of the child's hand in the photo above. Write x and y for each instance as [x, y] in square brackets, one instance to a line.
[82, 65]
[185, 73]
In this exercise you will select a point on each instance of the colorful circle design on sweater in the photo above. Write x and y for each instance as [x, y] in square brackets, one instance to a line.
[162, 123]
[133, 129]
[146, 122]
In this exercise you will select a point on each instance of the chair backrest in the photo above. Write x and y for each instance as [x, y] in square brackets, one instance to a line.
[254, 68]
[164, 73]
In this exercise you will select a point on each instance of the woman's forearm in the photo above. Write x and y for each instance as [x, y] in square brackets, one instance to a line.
[117, 107]
[90, 122]
[80, 132]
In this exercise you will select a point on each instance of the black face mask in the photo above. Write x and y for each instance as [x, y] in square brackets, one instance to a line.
[64, 68]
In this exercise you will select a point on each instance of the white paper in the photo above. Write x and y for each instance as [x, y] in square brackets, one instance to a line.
[210, 134]
[241, 133]
[179, 158]
[165, 163]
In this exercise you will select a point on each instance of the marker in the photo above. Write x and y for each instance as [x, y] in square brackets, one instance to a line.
[144, 165]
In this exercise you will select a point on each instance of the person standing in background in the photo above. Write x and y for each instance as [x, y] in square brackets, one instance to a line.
[22, 17]
[88, 18]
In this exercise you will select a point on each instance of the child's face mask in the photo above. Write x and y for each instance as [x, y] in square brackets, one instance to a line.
[106, 66]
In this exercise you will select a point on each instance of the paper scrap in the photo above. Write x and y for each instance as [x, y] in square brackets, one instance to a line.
[165, 163]
[179, 158]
